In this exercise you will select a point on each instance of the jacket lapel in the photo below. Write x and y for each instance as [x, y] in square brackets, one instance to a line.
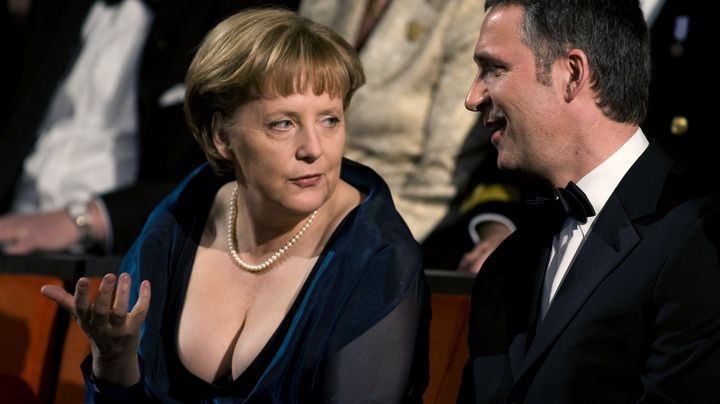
[607, 244]
[518, 348]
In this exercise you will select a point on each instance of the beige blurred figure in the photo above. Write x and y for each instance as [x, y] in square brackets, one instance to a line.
[408, 122]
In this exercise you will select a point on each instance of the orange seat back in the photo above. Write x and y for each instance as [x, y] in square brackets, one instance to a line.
[448, 346]
[27, 337]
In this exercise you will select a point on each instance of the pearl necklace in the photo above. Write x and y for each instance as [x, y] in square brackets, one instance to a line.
[232, 239]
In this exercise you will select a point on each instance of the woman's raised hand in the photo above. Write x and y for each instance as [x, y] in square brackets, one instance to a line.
[113, 331]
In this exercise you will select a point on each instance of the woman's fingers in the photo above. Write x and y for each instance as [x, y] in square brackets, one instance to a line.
[122, 296]
[104, 300]
[59, 296]
[110, 307]
[76, 305]
[139, 311]
[111, 304]
[82, 298]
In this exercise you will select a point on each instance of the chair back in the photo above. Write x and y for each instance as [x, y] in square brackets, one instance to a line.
[448, 346]
[27, 338]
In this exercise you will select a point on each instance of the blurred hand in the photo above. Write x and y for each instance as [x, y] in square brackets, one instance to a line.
[25, 233]
[113, 332]
[491, 235]
[22, 234]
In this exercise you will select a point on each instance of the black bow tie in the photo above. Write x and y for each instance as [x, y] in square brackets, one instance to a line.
[574, 202]
[566, 202]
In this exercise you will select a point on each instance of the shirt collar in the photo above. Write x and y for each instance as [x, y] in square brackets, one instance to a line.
[600, 183]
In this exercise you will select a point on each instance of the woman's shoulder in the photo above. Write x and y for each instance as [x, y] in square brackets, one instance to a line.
[374, 233]
[377, 210]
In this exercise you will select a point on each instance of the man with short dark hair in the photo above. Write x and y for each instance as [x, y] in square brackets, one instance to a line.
[611, 294]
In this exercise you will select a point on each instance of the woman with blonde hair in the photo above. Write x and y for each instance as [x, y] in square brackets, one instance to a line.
[279, 271]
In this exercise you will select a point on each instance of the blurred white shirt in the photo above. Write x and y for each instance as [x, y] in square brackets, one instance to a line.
[88, 142]
[651, 9]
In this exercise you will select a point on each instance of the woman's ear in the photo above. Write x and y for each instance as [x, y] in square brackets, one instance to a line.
[219, 138]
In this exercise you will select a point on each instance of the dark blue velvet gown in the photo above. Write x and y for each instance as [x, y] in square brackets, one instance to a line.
[357, 332]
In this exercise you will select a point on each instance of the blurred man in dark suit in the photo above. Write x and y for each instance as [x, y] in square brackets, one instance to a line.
[79, 182]
[678, 115]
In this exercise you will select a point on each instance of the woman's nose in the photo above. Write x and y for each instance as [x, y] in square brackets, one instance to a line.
[310, 145]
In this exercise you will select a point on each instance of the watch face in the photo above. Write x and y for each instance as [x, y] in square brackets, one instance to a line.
[79, 214]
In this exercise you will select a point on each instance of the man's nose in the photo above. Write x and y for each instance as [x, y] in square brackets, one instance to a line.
[477, 96]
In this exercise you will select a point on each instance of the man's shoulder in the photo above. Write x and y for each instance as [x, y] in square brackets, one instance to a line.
[689, 192]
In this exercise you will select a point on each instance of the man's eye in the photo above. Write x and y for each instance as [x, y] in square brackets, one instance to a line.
[487, 69]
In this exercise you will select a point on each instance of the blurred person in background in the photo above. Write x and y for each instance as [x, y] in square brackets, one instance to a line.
[681, 32]
[409, 123]
[97, 136]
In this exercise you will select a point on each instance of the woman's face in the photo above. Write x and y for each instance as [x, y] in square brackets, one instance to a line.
[286, 151]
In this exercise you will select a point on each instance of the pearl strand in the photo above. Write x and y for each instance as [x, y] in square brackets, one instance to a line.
[232, 220]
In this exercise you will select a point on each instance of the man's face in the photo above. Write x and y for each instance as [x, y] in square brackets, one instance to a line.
[522, 113]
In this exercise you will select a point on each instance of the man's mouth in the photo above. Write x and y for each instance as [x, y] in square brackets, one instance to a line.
[495, 125]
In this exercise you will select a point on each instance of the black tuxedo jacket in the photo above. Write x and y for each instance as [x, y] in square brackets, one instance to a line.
[637, 318]
[168, 151]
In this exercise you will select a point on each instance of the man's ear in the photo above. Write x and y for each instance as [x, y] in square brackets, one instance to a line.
[578, 73]
[219, 137]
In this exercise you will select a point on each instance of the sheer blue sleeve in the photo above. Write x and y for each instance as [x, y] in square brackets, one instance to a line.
[386, 364]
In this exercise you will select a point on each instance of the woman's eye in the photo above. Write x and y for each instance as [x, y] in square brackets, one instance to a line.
[331, 121]
[284, 124]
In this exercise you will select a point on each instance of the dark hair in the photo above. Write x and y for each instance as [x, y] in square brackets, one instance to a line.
[612, 33]
[260, 53]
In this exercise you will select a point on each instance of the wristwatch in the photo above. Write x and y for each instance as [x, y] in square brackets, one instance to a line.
[79, 213]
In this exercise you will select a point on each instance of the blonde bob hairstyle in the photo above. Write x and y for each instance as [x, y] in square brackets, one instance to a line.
[264, 53]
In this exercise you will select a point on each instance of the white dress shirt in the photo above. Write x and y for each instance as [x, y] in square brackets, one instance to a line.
[651, 9]
[598, 185]
[87, 143]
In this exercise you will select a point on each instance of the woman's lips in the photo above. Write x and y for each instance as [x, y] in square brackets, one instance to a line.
[307, 180]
